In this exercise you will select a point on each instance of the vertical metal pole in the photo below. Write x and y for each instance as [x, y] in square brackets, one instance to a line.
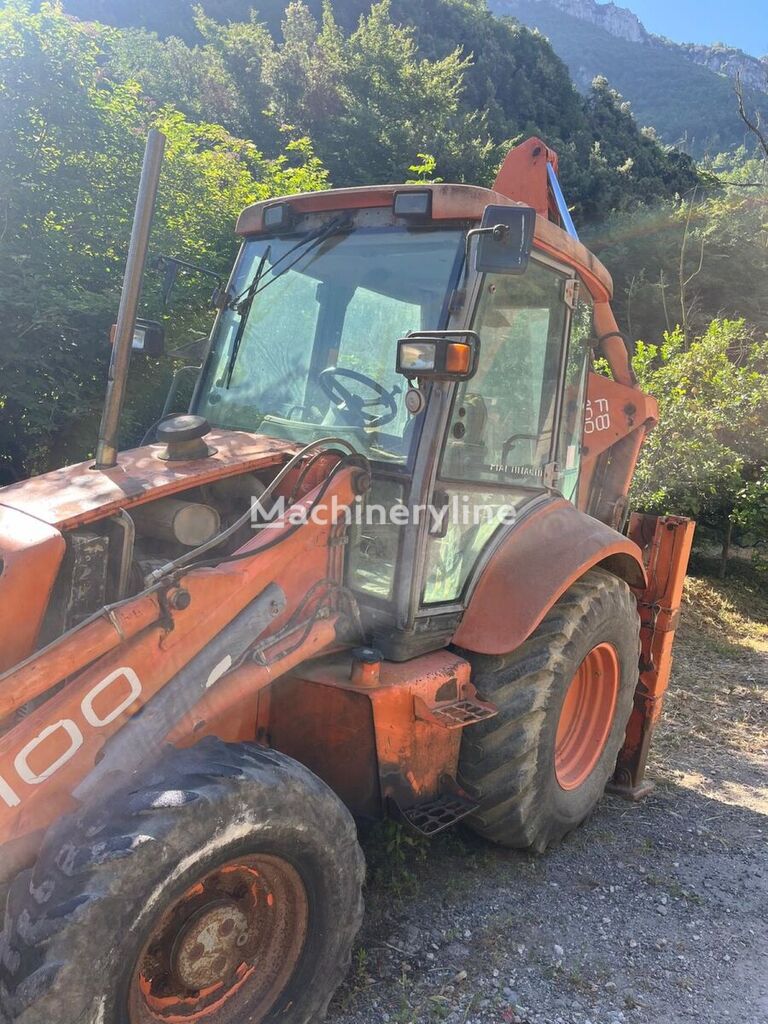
[106, 450]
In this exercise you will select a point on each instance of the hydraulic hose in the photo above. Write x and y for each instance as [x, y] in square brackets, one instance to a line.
[194, 555]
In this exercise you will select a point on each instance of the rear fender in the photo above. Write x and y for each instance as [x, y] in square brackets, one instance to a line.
[538, 559]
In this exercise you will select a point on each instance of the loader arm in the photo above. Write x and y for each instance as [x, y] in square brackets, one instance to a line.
[167, 653]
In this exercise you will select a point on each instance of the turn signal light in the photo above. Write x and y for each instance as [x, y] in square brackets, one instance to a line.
[458, 358]
[439, 355]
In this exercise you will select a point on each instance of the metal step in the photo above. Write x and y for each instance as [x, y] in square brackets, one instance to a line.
[432, 816]
[457, 714]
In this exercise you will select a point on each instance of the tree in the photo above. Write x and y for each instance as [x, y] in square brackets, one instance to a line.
[626, 167]
[368, 81]
[752, 120]
[371, 101]
[703, 252]
[709, 454]
[71, 143]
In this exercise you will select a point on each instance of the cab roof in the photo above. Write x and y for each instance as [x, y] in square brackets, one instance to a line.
[449, 202]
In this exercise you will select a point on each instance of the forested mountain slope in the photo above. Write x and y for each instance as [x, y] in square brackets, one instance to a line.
[358, 89]
[684, 92]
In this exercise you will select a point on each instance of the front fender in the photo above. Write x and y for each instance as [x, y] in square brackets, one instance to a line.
[537, 560]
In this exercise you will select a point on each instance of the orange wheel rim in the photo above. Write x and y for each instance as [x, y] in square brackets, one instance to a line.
[226, 949]
[586, 716]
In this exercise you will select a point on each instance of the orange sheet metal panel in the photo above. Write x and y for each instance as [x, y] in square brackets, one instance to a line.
[75, 495]
[613, 411]
[449, 202]
[534, 565]
[30, 556]
[330, 729]
[414, 754]
[617, 421]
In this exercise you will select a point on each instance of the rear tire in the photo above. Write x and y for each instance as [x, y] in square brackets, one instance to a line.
[540, 766]
[128, 915]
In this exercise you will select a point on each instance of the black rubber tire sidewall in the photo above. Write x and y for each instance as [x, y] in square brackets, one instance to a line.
[507, 762]
[78, 945]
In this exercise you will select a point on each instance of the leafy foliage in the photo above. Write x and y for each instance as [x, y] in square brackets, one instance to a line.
[708, 456]
[374, 83]
[71, 144]
[688, 260]
[371, 100]
[385, 91]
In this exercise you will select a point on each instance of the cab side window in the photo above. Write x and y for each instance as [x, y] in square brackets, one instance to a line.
[503, 419]
[502, 424]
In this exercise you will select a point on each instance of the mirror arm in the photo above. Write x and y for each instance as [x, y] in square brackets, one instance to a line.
[172, 264]
[499, 231]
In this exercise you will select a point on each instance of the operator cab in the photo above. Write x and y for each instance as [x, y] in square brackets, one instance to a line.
[325, 286]
[317, 354]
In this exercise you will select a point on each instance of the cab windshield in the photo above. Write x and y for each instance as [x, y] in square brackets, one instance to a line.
[316, 355]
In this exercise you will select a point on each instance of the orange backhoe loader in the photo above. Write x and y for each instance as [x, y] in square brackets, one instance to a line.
[383, 566]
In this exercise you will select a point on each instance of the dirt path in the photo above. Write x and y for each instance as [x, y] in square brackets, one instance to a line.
[650, 913]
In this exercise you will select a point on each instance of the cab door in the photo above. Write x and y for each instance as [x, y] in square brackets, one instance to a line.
[514, 431]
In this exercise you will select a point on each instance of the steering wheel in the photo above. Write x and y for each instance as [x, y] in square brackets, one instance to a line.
[353, 407]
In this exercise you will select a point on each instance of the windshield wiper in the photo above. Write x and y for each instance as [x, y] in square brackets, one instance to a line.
[243, 302]
[244, 308]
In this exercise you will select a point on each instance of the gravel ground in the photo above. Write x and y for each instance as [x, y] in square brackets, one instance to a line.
[652, 912]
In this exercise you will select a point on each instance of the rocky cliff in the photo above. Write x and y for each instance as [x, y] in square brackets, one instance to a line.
[725, 60]
[624, 24]
[619, 21]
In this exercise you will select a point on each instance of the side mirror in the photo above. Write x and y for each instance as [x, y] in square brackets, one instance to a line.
[504, 239]
[438, 355]
[148, 338]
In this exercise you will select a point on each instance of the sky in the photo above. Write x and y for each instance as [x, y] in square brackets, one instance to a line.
[742, 23]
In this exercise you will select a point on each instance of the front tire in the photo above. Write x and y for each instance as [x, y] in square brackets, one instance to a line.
[225, 888]
[564, 697]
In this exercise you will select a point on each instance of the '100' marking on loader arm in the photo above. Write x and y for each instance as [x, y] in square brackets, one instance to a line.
[72, 731]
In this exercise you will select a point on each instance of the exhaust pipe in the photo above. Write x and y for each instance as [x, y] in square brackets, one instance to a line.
[106, 450]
